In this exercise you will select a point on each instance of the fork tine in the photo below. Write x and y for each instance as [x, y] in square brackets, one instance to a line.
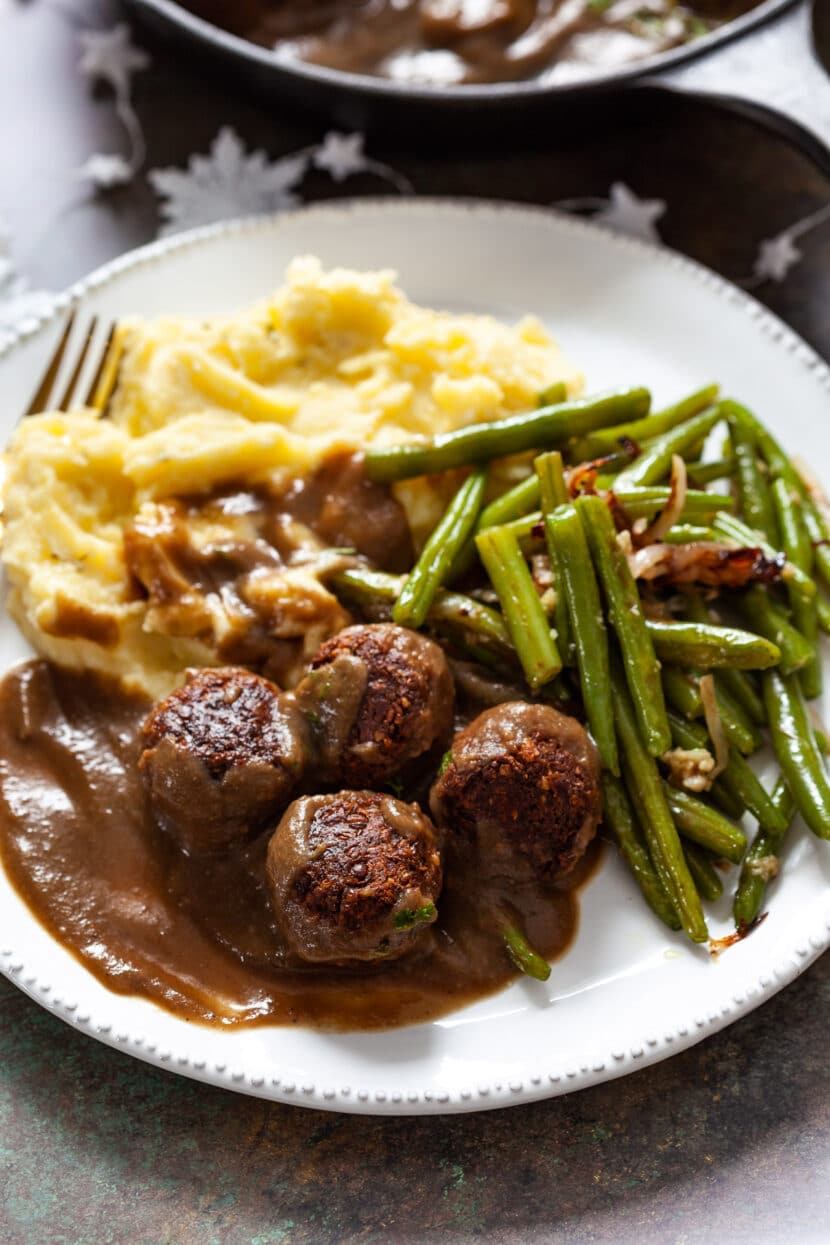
[41, 398]
[66, 400]
[101, 386]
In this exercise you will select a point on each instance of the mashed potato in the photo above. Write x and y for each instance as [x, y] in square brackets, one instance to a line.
[336, 360]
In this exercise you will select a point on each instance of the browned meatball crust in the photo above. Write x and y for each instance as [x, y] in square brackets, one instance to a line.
[353, 876]
[380, 700]
[521, 786]
[222, 754]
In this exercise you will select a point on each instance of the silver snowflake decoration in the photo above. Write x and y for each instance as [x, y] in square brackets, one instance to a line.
[227, 183]
[626, 213]
[106, 171]
[623, 211]
[110, 56]
[776, 256]
[341, 155]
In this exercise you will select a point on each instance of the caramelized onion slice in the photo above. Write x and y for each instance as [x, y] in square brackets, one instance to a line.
[714, 725]
[706, 563]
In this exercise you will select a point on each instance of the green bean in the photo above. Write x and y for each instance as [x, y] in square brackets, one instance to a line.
[687, 534]
[619, 821]
[522, 954]
[554, 492]
[550, 474]
[647, 795]
[795, 747]
[557, 392]
[730, 527]
[738, 683]
[622, 598]
[705, 646]
[752, 885]
[655, 463]
[522, 609]
[375, 589]
[514, 504]
[587, 627]
[645, 503]
[770, 619]
[788, 506]
[549, 426]
[439, 553]
[818, 531]
[738, 781]
[823, 612]
[511, 507]
[728, 803]
[606, 440]
[705, 825]
[755, 501]
[683, 694]
[741, 731]
[780, 467]
[701, 473]
[706, 877]
[740, 687]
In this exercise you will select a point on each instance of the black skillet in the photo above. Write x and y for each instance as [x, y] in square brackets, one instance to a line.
[762, 60]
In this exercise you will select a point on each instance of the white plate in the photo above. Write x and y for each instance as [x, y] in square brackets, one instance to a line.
[627, 993]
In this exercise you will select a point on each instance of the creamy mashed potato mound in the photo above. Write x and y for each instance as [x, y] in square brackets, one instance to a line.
[335, 360]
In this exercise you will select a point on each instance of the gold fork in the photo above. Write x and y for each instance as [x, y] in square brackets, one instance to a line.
[98, 389]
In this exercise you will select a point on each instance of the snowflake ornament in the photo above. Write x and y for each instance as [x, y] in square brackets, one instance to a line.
[111, 56]
[625, 213]
[228, 182]
[341, 155]
[776, 256]
[106, 171]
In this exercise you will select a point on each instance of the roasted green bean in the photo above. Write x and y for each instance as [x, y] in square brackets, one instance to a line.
[763, 613]
[526, 622]
[655, 463]
[788, 507]
[795, 747]
[739, 781]
[706, 877]
[439, 553]
[587, 626]
[619, 821]
[705, 825]
[606, 440]
[549, 426]
[642, 669]
[705, 646]
[646, 791]
[761, 863]
[753, 490]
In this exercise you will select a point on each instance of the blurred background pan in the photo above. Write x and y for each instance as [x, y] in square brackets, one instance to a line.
[764, 60]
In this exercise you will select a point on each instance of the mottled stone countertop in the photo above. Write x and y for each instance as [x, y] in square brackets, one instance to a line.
[729, 1141]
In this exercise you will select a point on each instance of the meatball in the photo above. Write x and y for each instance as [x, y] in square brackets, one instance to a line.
[380, 702]
[521, 788]
[353, 876]
[222, 754]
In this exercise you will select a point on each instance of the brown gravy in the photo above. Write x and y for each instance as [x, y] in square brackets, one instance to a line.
[449, 42]
[196, 934]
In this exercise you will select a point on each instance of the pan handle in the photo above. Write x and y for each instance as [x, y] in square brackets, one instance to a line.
[772, 70]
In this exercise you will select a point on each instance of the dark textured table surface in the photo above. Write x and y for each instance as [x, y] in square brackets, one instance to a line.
[728, 1141]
